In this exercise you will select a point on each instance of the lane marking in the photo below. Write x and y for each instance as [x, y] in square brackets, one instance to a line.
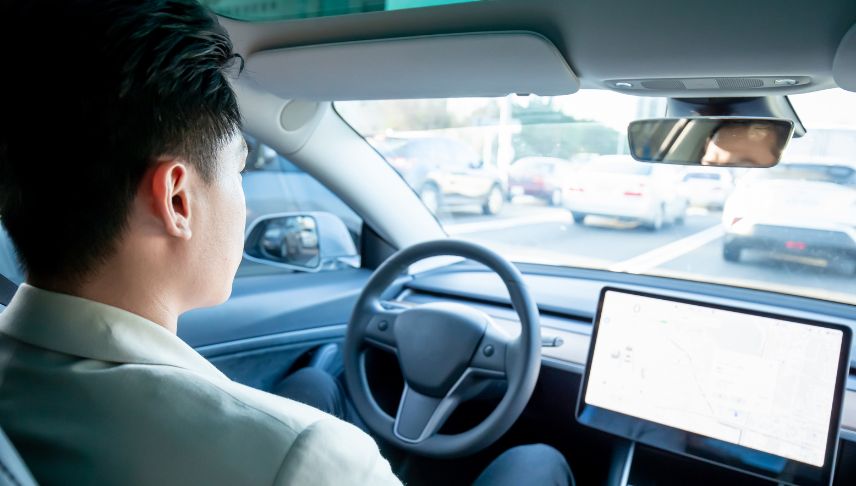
[658, 256]
[514, 222]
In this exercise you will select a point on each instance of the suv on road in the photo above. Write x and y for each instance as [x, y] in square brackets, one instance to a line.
[446, 173]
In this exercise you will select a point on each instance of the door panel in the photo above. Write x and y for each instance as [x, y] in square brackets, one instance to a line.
[273, 304]
[262, 362]
[256, 337]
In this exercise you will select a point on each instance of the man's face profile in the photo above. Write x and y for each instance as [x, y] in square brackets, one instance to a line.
[747, 145]
[219, 224]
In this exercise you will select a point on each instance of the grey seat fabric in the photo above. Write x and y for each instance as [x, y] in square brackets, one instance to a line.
[13, 472]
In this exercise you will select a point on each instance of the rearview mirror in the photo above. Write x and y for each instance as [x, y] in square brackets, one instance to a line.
[714, 141]
[302, 241]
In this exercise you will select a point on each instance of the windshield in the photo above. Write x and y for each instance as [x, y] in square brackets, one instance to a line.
[549, 180]
[832, 173]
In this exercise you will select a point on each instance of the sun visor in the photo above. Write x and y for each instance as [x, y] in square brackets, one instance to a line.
[844, 64]
[437, 66]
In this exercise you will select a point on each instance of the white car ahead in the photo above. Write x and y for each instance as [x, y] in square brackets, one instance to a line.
[708, 187]
[797, 209]
[619, 187]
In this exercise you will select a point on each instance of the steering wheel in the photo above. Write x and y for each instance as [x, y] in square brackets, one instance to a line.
[445, 351]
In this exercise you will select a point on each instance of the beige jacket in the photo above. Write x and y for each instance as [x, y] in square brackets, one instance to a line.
[92, 394]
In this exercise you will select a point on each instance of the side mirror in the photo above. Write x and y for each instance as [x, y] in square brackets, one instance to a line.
[310, 242]
[478, 164]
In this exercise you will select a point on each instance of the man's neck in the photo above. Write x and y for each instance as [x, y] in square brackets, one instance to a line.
[146, 301]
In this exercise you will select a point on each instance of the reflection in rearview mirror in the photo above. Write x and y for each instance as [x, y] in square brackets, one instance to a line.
[714, 141]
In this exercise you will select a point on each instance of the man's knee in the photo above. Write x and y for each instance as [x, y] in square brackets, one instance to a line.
[535, 464]
[547, 459]
[315, 388]
[537, 452]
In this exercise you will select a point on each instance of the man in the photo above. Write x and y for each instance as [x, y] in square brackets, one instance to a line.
[750, 144]
[134, 216]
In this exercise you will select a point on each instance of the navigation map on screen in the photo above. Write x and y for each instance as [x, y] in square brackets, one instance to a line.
[759, 382]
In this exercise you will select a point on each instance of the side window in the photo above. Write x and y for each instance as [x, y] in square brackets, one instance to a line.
[273, 184]
[463, 154]
[430, 152]
[453, 156]
[9, 266]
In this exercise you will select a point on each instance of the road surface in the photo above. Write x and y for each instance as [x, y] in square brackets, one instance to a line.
[529, 231]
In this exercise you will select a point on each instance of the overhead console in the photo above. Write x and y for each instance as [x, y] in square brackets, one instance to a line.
[754, 392]
[433, 66]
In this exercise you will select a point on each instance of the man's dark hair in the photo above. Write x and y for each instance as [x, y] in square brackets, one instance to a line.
[93, 91]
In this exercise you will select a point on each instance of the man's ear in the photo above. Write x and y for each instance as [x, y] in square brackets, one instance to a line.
[171, 194]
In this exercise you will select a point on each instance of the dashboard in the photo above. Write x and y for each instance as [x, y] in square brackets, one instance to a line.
[568, 301]
[282, 316]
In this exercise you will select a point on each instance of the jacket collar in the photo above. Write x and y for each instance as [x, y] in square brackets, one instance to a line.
[88, 329]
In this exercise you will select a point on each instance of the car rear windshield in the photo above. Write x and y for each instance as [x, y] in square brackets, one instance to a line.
[706, 176]
[539, 166]
[629, 167]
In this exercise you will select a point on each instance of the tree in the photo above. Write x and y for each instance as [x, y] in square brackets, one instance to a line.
[547, 131]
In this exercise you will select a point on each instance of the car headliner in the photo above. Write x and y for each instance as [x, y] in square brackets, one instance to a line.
[604, 41]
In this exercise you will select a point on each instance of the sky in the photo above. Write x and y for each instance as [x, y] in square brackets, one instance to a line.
[607, 107]
[831, 107]
[820, 109]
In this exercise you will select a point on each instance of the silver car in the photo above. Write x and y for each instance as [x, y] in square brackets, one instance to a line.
[619, 187]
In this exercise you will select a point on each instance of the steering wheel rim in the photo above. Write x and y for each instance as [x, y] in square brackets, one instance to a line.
[428, 401]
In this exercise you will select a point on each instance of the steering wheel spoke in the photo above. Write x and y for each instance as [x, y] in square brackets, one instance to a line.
[492, 355]
[420, 416]
[380, 330]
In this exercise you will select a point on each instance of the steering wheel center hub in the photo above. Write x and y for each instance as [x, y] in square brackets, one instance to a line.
[436, 343]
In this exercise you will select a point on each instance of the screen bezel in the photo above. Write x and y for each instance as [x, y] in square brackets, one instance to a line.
[714, 450]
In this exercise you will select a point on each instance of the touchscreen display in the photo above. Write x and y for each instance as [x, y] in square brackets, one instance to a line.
[759, 382]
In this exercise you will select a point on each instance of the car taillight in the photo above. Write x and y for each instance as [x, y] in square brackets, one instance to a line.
[735, 221]
[637, 191]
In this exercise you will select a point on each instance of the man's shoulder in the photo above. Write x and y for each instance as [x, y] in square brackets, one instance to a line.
[171, 425]
[348, 453]
[317, 448]
[226, 401]
[168, 424]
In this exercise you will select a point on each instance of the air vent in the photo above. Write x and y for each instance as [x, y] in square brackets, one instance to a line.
[663, 84]
[739, 83]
